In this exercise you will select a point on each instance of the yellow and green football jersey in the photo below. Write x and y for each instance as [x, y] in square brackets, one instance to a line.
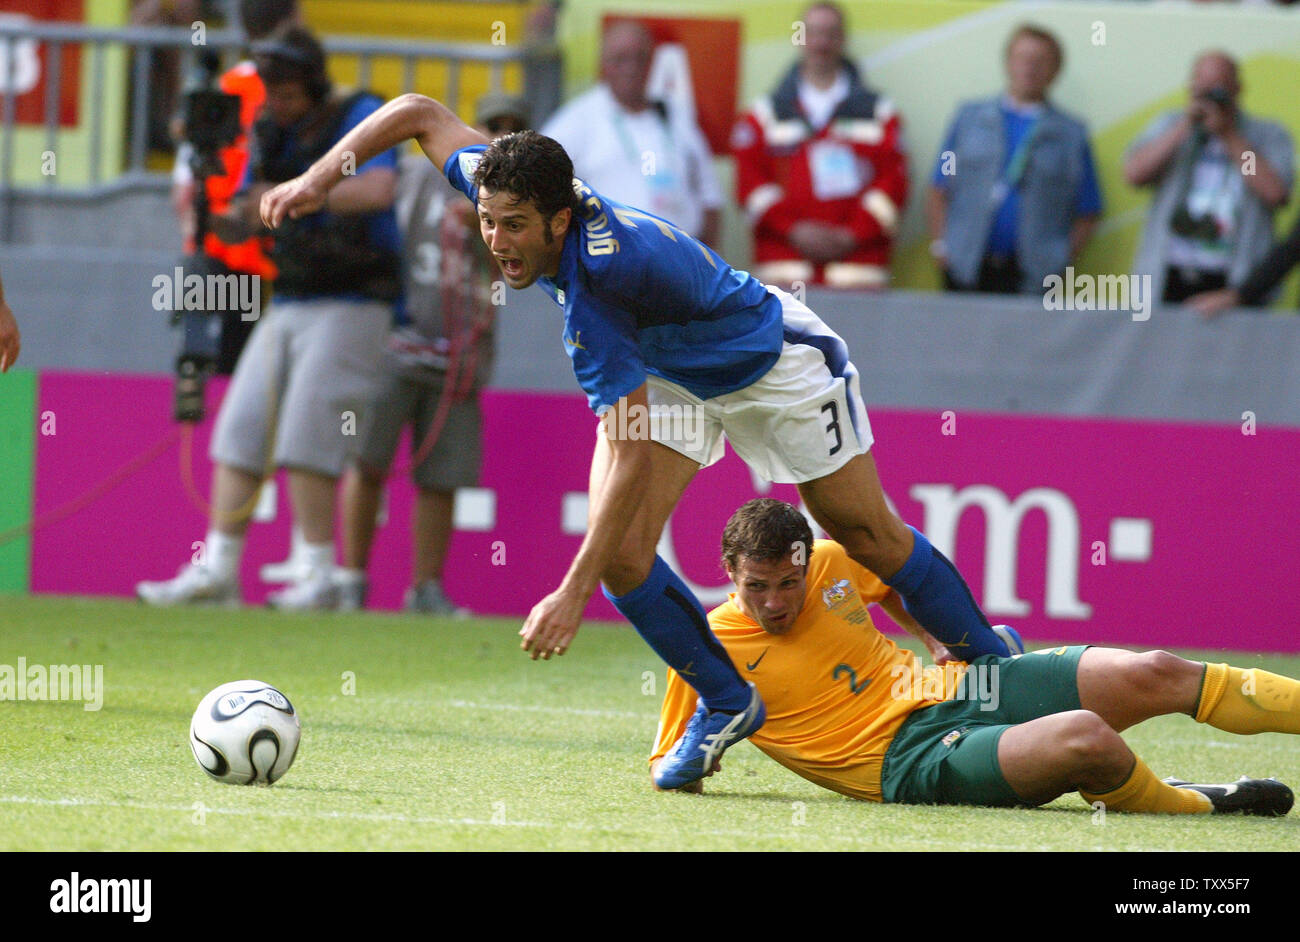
[835, 688]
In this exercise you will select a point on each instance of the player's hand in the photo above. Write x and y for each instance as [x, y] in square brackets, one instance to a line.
[552, 623]
[10, 341]
[937, 650]
[292, 199]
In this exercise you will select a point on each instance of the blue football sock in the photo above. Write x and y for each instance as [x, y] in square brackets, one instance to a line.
[935, 594]
[671, 620]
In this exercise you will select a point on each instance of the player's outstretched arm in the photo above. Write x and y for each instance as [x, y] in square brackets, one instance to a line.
[409, 117]
[614, 501]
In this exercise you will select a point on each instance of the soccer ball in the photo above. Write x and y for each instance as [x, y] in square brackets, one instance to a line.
[245, 733]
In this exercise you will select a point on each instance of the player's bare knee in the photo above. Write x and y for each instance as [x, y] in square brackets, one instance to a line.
[1163, 667]
[1091, 747]
[1167, 678]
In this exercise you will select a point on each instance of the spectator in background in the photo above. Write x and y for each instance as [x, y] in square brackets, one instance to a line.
[1219, 175]
[260, 18]
[623, 142]
[1259, 284]
[10, 341]
[821, 168]
[311, 367]
[1014, 195]
[436, 363]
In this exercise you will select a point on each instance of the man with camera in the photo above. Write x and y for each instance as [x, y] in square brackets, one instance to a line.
[310, 369]
[1219, 176]
[215, 134]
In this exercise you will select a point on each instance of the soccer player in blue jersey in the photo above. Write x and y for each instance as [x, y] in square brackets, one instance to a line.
[673, 348]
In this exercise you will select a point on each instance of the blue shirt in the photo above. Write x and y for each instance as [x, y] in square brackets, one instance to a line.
[642, 297]
[1016, 125]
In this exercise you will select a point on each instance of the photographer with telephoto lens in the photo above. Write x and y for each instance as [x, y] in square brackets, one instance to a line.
[1219, 176]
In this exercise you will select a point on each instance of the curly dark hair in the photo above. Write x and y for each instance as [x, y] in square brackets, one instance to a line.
[532, 168]
[766, 529]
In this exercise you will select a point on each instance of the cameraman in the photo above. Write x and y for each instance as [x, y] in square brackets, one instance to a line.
[1219, 175]
[309, 371]
[248, 256]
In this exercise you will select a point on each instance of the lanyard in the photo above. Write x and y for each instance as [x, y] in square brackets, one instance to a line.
[1016, 165]
[625, 137]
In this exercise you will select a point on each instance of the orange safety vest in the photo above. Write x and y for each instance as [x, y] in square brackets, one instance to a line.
[251, 256]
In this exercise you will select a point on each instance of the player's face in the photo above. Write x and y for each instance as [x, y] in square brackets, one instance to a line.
[522, 242]
[770, 591]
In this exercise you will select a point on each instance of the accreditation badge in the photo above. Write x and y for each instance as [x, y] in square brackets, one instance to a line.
[835, 170]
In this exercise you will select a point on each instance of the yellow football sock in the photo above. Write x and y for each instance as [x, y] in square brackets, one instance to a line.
[1247, 701]
[1142, 791]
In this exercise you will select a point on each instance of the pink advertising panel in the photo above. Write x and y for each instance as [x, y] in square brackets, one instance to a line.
[1098, 530]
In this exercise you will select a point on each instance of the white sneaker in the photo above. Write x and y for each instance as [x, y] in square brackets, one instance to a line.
[316, 593]
[193, 585]
[285, 571]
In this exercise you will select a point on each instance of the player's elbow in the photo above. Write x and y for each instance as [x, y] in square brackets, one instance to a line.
[421, 115]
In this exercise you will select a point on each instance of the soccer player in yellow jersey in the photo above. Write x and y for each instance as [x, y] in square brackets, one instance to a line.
[850, 710]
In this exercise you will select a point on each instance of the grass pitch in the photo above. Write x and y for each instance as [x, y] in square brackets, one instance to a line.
[423, 734]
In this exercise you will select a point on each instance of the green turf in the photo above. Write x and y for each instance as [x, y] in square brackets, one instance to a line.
[454, 740]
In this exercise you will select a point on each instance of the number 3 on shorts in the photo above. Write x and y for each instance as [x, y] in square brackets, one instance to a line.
[834, 425]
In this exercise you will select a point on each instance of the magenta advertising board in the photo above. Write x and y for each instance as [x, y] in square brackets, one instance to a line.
[1104, 530]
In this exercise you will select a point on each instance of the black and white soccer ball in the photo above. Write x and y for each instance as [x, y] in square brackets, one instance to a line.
[245, 733]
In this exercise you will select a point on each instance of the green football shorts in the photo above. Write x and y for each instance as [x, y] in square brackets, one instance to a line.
[947, 754]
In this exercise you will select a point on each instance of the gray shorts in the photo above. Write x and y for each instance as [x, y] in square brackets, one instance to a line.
[452, 459]
[303, 386]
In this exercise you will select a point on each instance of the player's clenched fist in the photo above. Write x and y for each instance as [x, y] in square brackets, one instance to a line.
[293, 199]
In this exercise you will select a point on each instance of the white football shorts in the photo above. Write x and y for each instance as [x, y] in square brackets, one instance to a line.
[803, 419]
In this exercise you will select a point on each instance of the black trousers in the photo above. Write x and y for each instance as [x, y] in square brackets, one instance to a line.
[998, 274]
[1182, 283]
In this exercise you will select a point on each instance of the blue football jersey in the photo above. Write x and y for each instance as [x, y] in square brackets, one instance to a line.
[642, 297]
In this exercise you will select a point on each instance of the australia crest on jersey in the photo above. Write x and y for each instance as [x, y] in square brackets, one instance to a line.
[839, 596]
[836, 592]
